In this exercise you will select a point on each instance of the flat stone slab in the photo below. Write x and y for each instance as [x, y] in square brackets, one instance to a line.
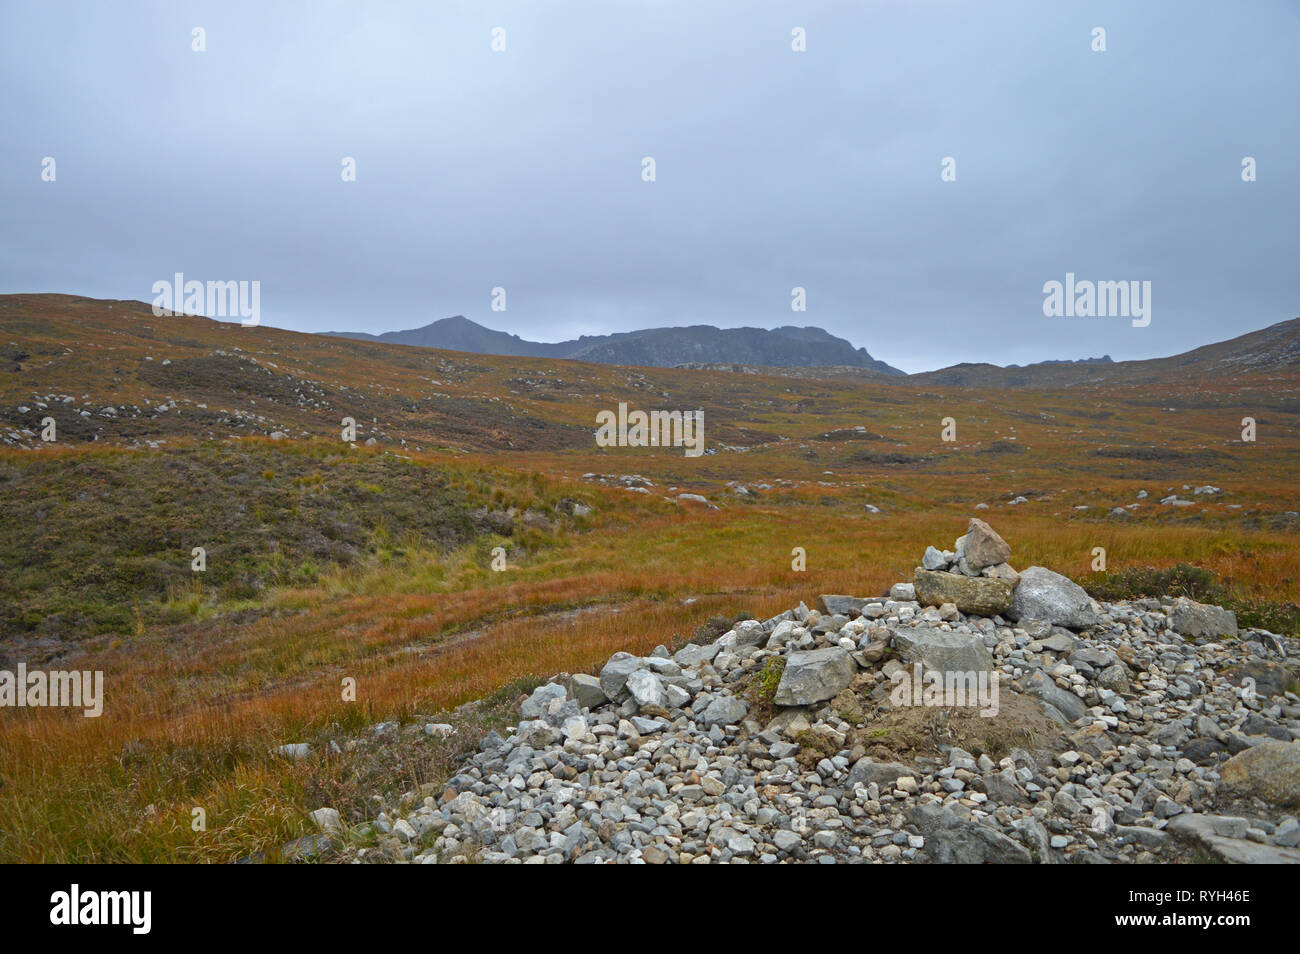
[973, 595]
[941, 649]
[1203, 830]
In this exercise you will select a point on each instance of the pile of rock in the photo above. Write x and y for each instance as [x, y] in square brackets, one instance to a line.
[976, 579]
[1149, 731]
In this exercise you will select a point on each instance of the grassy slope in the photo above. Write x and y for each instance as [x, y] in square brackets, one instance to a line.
[368, 565]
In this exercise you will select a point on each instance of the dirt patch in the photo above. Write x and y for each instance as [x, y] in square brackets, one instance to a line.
[903, 734]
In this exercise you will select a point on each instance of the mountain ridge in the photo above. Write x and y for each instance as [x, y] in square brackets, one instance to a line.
[785, 346]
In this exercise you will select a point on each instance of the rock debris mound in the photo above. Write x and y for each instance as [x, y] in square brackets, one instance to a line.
[1142, 731]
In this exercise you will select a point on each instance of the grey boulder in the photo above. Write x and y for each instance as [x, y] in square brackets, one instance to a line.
[814, 676]
[586, 691]
[724, 710]
[1193, 620]
[1056, 599]
[941, 649]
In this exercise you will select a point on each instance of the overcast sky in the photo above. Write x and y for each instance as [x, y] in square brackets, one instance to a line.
[774, 168]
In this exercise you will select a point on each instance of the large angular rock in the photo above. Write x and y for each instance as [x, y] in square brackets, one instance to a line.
[934, 559]
[885, 774]
[613, 678]
[814, 676]
[783, 632]
[974, 595]
[586, 691]
[537, 705]
[983, 545]
[1269, 678]
[941, 649]
[1042, 594]
[950, 839]
[696, 655]
[1062, 700]
[724, 710]
[748, 632]
[646, 689]
[1002, 571]
[1270, 770]
[850, 606]
[1193, 620]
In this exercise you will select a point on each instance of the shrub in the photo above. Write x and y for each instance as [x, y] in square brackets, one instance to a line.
[1195, 583]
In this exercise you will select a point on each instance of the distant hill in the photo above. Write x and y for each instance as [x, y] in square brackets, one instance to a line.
[1104, 359]
[1271, 350]
[783, 347]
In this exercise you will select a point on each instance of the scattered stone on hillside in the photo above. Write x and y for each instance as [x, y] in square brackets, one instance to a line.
[973, 595]
[1043, 594]
[1193, 620]
[983, 545]
[814, 676]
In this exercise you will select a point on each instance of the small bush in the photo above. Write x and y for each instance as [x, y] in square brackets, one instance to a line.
[762, 689]
[1141, 582]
